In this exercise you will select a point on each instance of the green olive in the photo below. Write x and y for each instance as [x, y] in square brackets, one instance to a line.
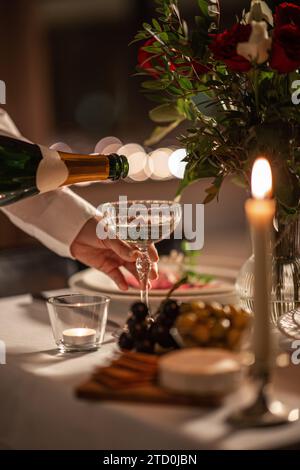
[233, 338]
[218, 331]
[240, 320]
[201, 334]
[186, 322]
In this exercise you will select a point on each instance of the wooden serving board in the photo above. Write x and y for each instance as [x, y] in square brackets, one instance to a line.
[132, 377]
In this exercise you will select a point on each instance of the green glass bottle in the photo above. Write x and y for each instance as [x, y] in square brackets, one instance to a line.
[27, 169]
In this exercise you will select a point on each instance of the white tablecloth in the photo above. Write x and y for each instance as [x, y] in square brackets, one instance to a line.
[39, 411]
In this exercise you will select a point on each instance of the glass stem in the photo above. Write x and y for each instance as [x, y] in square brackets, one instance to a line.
[143, 267]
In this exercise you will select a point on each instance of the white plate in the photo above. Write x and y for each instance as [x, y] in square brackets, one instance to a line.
[126, 297]
[95, 281]
[99, 281]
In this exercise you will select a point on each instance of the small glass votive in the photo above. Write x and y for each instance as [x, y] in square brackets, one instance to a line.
[78, 321]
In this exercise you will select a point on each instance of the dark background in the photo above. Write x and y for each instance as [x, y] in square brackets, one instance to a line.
[68, 66]
[69, 71]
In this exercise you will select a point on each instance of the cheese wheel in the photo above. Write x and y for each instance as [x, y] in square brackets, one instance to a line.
[201, 371]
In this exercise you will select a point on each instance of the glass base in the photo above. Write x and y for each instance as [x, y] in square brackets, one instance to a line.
[252, 417]
[65, 348]
[264, 411]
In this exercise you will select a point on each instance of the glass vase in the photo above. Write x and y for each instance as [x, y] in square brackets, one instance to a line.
[285, 294]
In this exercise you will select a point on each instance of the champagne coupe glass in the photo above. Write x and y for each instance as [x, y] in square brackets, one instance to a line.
[141, 223]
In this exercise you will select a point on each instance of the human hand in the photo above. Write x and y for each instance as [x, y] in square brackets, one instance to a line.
[109, 255]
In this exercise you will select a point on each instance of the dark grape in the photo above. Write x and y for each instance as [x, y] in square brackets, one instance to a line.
[126, 342]
[167, 341]
[155, 331]
[139, 311]
[131, 322]
[168, 312]
[137, 329]
[170, 308]
[160, 334]
[166, 321]
[146, 346]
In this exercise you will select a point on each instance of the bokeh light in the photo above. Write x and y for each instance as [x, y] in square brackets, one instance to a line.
[105, 142]
[145, 173]
[61, 147]
[176, 164]
[160, 158]
[137, 162]
[130, 149]
[112, 148]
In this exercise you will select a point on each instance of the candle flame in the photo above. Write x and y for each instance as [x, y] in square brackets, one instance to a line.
[261, 179]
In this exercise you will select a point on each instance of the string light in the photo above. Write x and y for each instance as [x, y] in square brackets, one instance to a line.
[145, 173]
[105, 142]
[176, 164]
[112, 148]
[61, 147]
[137, 163]
[130, 149]
[160, 158]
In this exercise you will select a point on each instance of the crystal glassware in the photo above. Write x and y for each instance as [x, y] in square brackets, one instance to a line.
[141, 223]
[285, 293]
[78, 321]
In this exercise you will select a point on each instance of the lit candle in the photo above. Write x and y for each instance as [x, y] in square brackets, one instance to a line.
[260, 212]
[79, 336]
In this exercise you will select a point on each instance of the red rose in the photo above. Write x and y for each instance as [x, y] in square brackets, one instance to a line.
[287, 13]
[285, 56]
[148, 61]
[225, 44]
[200, 69]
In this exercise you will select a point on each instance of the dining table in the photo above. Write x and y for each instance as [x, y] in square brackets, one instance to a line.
[40, 410]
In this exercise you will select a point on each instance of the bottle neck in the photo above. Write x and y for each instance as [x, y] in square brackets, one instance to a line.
[87, 168]
[118, 167]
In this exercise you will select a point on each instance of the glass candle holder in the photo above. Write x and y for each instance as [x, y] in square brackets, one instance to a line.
[78, 321]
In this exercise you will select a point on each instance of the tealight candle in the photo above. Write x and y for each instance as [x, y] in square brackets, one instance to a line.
[79, 336]
[260, 212]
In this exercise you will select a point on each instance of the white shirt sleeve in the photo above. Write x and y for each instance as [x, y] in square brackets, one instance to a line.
[54, 218]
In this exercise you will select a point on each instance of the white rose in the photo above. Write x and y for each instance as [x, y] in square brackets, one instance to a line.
[260, 11]
[259, 44]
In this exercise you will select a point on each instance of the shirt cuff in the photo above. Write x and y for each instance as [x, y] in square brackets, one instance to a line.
[54, 218]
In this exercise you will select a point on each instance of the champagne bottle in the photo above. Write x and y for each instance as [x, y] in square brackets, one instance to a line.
[27, 169]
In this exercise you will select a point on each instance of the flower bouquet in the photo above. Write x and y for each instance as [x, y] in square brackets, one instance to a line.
[239, 90]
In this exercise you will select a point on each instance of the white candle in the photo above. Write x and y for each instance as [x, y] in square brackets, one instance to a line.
[79, 336]
[260, 212]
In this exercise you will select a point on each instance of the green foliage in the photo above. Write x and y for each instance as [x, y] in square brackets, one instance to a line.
[167, 112]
